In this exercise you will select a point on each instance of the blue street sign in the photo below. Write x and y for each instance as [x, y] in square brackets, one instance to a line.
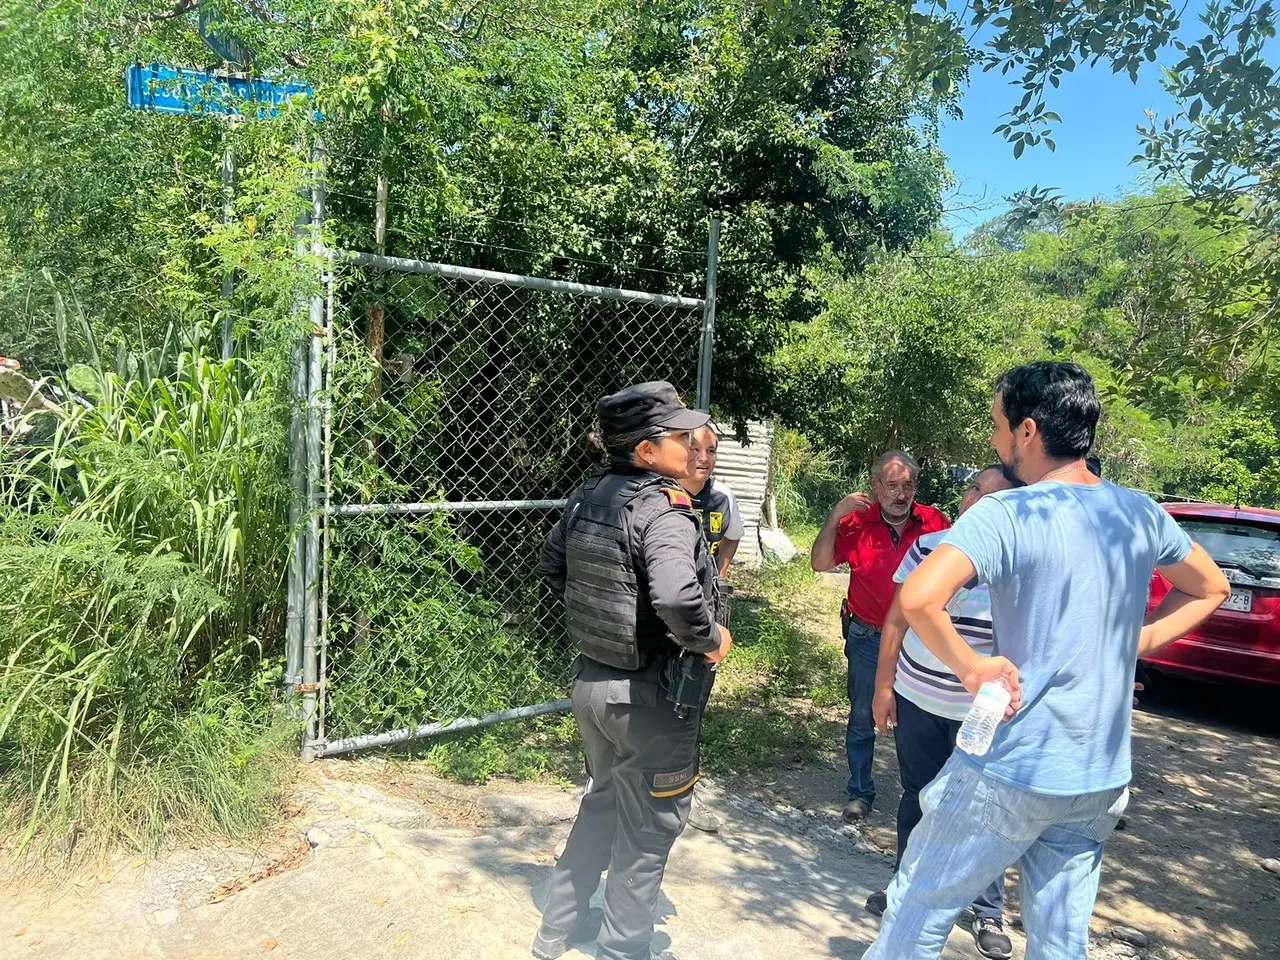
[164, 89]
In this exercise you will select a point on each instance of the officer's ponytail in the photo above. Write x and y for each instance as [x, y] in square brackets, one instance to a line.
[620, 448]
[594, 443]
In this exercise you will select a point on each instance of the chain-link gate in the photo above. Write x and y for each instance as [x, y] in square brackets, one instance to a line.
[457, 405]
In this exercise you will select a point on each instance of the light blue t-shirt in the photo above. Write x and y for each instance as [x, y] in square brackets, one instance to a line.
[1069, 568]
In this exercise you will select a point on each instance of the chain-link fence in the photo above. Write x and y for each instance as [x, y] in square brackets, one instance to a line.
[458, 402]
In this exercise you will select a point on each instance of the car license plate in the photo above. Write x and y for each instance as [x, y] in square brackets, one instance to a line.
[1241, 600]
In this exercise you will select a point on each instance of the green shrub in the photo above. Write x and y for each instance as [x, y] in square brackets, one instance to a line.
[545, 746]
[141, 557]
[807, 481]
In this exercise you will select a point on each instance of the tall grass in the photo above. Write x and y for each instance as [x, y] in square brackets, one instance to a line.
[142, 549]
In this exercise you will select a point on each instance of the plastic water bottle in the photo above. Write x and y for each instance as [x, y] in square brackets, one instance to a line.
[979, 727]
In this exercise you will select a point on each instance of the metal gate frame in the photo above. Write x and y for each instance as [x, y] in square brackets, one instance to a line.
[311, 433]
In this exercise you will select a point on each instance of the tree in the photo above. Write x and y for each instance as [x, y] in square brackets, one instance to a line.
[586, 139]
[1161, 292]
[589, 141]
[1148, 296]
[1218, 153]
[904, 356]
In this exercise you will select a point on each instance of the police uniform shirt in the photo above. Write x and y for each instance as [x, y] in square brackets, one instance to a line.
[721, 519]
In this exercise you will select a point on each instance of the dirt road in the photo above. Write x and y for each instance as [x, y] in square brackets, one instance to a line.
[386, 862]
[400, 864]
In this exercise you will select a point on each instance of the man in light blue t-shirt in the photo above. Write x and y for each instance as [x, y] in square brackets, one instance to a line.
[1068, 560]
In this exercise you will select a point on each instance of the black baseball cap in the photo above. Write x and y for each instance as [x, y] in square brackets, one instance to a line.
[641, 405]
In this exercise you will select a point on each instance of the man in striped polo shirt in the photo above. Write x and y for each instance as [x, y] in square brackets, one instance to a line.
[925, 703]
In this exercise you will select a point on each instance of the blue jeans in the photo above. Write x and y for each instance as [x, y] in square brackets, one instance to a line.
[862, 649]
[925, 743]
[973, 827]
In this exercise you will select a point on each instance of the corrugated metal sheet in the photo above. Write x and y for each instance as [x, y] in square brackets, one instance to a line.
[745, 470]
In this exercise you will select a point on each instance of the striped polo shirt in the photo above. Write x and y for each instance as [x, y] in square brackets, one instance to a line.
[924, 679]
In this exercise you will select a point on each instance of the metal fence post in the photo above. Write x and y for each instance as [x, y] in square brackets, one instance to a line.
[315, 353]
[330, 363]
[708, 319]
[295, 607]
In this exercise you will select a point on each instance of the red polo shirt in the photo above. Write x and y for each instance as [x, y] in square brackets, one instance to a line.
[865, 542]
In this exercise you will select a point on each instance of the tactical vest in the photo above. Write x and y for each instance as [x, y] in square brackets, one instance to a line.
[607, 606]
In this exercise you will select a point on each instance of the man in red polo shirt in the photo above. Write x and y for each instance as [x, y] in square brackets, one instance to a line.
[872, 537]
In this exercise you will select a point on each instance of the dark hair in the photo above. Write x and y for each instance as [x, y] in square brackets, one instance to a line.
[617, 448]
[1007, 472]
[1059, 397]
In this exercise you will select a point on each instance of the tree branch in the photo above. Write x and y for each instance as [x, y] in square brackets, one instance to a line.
[181, 7]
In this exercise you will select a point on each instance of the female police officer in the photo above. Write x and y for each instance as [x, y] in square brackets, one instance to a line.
[630, 562]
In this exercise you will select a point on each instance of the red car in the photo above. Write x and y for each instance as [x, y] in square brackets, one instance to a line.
[1241, 641]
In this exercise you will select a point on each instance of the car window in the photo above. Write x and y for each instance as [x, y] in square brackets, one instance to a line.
[1247, 553]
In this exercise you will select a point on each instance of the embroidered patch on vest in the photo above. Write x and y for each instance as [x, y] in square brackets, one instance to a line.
[678, 498]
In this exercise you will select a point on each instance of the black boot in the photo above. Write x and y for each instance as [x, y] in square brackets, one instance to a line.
[877, 903]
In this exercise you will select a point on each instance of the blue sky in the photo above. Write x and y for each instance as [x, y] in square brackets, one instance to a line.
[1097, 137]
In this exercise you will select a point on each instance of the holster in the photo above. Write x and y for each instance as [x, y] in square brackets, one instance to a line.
[686, 681]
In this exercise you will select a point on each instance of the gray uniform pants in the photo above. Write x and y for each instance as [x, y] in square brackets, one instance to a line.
[643, 762]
